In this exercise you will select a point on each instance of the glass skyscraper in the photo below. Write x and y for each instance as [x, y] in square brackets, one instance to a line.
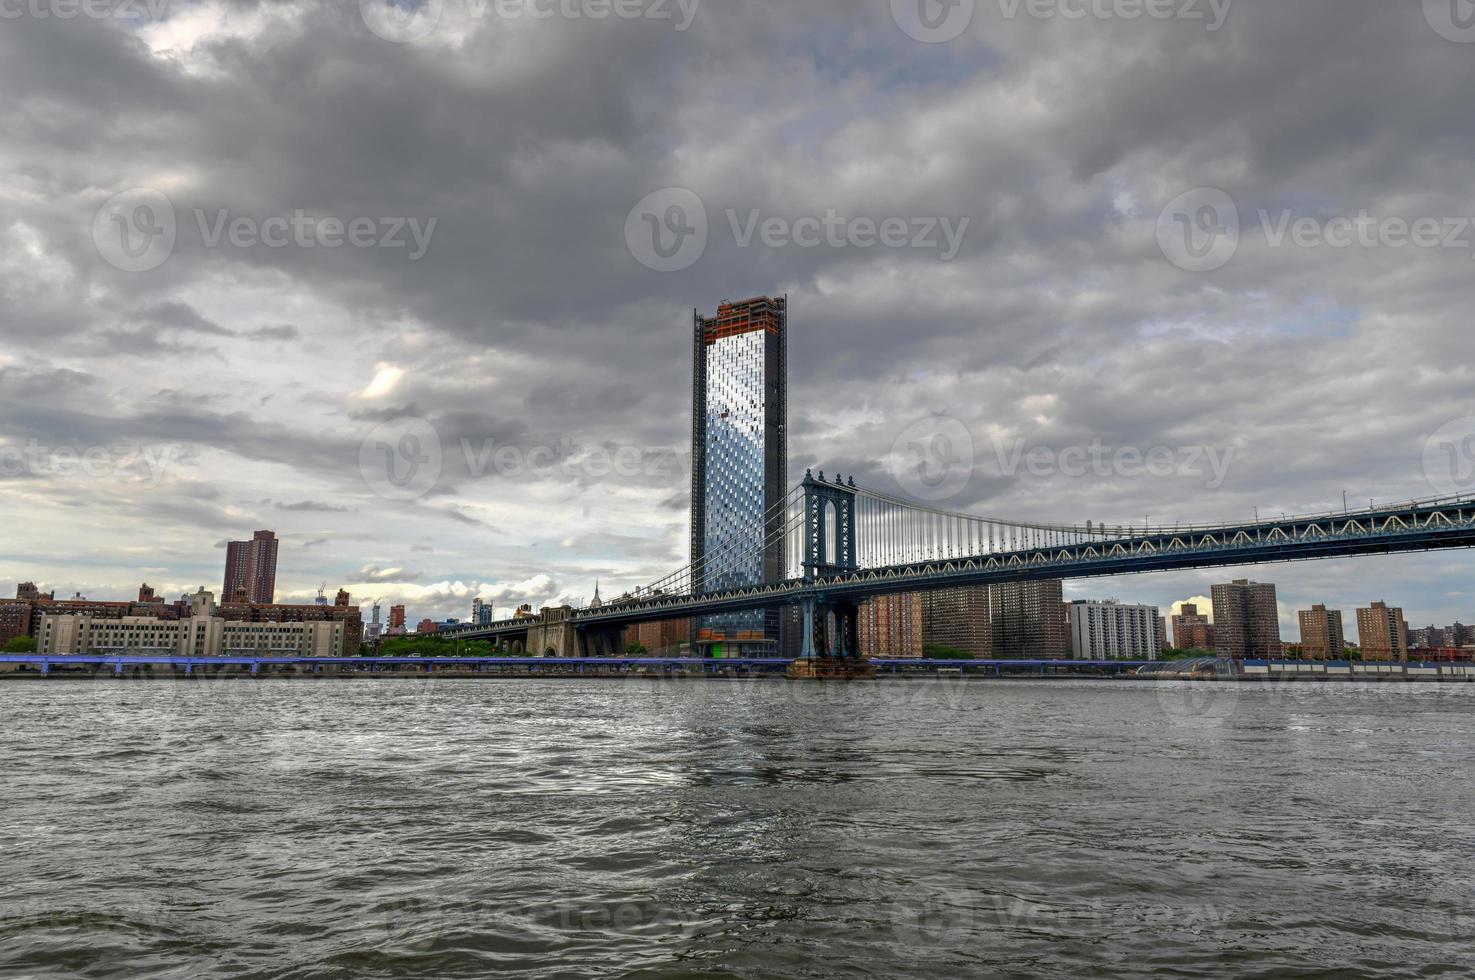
[739, 456]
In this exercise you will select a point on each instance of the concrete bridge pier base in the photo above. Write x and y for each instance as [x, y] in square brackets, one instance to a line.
[831, 649]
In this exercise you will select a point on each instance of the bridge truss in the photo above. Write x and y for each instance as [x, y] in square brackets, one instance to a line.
[844, 543]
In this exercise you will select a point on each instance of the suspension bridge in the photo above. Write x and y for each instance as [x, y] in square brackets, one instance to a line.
[842, 544]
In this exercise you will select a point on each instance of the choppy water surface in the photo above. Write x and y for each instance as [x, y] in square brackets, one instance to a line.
[744, 829]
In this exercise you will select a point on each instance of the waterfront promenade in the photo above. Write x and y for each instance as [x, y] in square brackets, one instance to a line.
[58, 667]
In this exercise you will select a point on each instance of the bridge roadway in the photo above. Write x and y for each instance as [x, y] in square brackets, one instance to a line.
[1416, 526]
[122, 665]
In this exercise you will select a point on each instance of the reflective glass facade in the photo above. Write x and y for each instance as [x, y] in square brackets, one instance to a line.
[739, 413]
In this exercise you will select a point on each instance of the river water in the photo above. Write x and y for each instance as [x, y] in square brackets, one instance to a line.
[403, 828]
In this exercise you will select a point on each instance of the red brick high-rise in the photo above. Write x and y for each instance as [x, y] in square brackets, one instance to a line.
[892, 625]
[1246, 620]
[251, 569]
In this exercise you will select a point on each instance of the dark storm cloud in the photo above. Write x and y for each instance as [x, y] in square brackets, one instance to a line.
[528, 324]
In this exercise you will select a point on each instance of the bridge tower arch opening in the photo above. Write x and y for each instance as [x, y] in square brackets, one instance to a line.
[831, 524]
[830, 625]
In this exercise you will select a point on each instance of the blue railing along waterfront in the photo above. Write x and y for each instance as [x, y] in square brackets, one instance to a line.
[45, 663]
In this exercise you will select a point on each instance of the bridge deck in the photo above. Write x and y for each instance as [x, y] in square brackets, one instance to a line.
[1416, 526]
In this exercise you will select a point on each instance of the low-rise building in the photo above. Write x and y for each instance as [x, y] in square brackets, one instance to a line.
[343, 612]
[203, 633]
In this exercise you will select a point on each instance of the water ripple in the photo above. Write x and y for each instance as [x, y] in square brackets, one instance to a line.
[406, 829]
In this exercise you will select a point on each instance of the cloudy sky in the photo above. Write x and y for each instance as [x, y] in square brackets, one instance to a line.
[252, 253]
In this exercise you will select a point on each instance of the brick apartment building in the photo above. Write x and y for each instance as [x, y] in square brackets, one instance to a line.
[1246, 621]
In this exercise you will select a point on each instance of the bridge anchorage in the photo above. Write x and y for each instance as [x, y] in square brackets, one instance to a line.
[831, 624]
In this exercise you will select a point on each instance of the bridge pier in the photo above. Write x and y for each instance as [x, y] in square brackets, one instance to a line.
[831, 649]
[806, 650]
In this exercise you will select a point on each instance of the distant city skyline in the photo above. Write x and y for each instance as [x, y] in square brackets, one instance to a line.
[1117, 588]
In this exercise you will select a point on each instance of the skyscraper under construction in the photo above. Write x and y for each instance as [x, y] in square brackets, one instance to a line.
[739, 465]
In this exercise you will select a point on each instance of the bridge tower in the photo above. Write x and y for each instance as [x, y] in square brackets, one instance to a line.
[831, 645]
